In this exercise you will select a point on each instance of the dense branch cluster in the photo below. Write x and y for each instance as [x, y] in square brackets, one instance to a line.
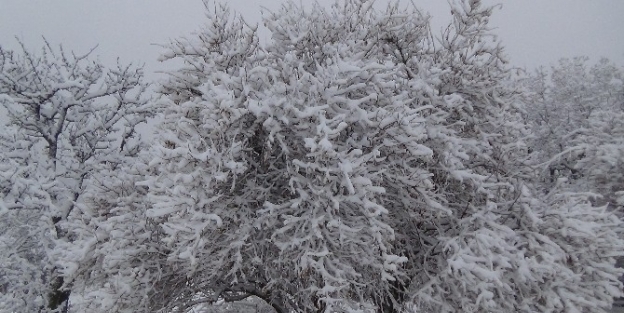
[354, 163]
[71, 124]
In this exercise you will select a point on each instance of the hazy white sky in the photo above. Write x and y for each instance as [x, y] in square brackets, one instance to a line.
[534, 32]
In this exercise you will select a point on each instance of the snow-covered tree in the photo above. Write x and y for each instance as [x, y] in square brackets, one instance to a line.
[354, 163]
[71, 122]
[577, 113]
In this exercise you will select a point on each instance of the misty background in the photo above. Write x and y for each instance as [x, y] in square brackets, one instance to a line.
[533, 32]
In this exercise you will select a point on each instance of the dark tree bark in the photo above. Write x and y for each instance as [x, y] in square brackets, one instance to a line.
[57, 296]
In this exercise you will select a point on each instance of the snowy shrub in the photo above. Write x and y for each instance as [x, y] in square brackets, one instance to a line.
[354, 163]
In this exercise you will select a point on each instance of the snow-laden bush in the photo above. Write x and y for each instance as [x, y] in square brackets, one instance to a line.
[353, 163]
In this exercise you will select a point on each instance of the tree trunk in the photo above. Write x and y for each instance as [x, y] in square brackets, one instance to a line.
[58, 297]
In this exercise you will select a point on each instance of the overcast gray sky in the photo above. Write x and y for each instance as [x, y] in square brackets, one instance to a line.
[534, 32]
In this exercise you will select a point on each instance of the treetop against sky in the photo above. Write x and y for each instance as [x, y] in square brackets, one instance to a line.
[534, 32]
